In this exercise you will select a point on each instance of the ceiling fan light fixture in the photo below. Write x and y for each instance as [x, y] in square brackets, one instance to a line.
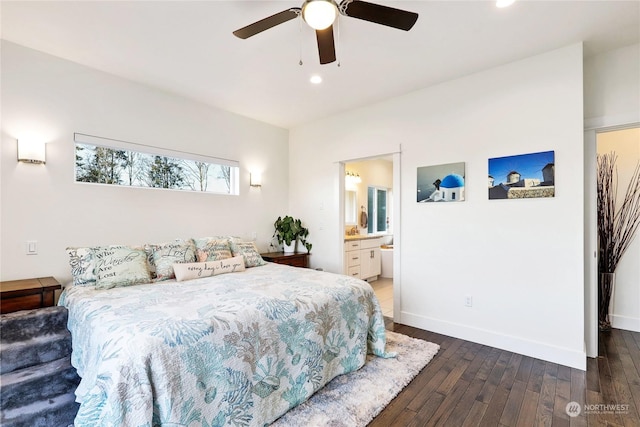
[319, 14]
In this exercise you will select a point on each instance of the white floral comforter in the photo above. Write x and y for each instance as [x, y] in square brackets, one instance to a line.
[235, 349]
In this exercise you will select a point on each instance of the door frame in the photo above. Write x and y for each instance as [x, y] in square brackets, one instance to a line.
[397, 229]
[591, 232]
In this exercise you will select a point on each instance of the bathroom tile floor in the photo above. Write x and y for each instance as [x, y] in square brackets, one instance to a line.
[383, 289]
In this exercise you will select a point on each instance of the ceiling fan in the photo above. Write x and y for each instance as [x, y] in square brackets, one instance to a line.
[321, 14]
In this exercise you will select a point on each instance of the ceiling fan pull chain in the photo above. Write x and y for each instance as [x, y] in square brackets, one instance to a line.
[338, 41]
[300, 41]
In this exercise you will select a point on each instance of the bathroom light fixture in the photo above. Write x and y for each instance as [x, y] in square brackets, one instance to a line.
[353, 178]
[255, 179]
[31, 152]
[319, 14]
[504, 3]
[315, 79]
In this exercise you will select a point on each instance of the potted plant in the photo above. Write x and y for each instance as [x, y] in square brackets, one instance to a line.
[288, 231]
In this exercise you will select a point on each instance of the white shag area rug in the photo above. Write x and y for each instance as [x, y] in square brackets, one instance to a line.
[354, 399]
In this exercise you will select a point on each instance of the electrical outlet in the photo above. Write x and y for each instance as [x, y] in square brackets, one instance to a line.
[468, 301]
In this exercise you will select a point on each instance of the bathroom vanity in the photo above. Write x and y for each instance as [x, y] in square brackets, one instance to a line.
[362, 256]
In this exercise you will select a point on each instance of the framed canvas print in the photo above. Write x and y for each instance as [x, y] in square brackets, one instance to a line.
[441, 183]
[522, 176]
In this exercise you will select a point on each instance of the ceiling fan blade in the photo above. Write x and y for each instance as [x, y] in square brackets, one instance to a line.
[266, 23]
[326, 45]
[384, 15]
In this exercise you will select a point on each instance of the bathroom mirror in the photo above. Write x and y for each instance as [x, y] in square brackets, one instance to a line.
[350, 207]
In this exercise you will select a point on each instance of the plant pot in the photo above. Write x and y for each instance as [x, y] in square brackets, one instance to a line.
[289, 249]
[606, 282]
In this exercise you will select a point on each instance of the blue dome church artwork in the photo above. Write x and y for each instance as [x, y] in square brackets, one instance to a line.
[441, 183]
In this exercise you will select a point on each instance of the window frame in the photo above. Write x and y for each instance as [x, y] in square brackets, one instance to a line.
[372, 226]
[178, 158]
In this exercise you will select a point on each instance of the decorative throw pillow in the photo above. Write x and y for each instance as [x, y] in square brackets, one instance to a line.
[167, 254]
[120, 266]
[212, 249]
[82, 266]
[249, 251]
[197, 270]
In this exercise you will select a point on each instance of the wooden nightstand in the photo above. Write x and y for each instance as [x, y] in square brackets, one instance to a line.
[27, 294]
[294, 259]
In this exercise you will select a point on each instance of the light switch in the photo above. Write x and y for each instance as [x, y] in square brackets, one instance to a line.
[32, 247]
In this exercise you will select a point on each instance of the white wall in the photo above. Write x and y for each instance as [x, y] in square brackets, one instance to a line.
[521, 260]
[54, 98]
[612, 87]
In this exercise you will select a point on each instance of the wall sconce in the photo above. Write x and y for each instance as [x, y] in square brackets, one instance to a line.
[255, 179]
[31, 151]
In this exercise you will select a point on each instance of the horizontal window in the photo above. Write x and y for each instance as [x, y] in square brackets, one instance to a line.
[108, 161]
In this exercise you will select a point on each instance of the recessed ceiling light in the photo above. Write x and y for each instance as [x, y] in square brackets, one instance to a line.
[315, 79]
[504, 3]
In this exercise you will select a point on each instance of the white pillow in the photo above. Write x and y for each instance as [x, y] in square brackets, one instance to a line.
[196, 270]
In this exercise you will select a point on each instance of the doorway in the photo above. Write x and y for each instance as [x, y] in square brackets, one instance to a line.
[371, 188]
[621, 148]
[598, 141]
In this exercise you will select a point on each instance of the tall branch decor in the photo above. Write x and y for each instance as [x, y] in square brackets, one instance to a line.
[617, 226]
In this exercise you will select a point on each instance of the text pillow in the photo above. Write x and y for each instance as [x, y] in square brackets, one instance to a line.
[211, 249]
[167, 254]
[82, 266]
[120, 266]
[196, 270]
[249, 251]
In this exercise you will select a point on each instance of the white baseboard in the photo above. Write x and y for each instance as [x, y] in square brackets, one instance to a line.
[626, 323]
[563, 356]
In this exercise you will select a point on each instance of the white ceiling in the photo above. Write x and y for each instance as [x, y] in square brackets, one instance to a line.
[187, 47]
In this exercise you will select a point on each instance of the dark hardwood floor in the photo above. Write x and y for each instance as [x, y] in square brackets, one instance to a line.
[469, 384]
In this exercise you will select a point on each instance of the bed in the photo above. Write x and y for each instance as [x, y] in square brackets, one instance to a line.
[230, 349]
